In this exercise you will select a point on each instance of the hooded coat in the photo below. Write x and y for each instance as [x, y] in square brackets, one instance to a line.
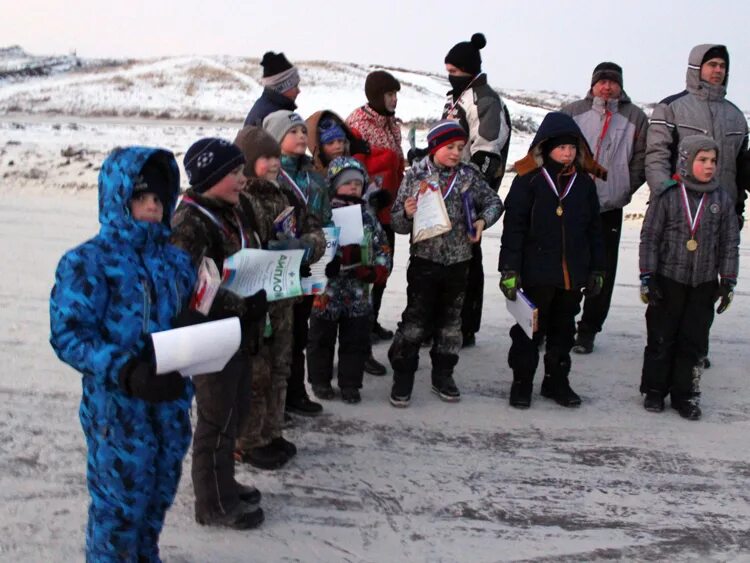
[545, 248]
[109, 293]
[700, 109]
[665, 230]
[313, 138]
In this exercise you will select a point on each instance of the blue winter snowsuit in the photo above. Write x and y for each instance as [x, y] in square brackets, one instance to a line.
[109, 292]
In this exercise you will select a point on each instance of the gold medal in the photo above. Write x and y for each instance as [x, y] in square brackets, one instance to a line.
[559, 210]
[692, 245]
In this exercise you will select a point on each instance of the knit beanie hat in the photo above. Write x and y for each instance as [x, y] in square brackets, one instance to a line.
[278, 123]
[607, 71]
[377, 84]
[154, 178]
[716, 52]
[207, 161]
[343, 169]
[279, 74]
[553, 142]
[255, 143]
[465, 55]
[330, 131]
[443, 133]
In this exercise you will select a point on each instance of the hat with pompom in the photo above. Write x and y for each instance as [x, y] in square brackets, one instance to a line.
[465, 55]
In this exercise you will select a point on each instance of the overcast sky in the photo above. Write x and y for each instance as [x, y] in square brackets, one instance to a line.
[534, 45]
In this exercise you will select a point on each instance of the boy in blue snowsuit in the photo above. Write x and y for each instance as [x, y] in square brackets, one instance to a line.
[110, 293]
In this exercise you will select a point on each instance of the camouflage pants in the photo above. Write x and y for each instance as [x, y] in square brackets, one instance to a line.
[135, 452]
[434, 298]
[270, 367]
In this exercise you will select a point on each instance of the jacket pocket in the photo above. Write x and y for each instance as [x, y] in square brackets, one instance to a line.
[693, 128]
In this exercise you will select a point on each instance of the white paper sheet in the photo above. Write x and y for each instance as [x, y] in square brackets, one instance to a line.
[277, 271]
[525, 313]
[431, 218]
[317, 281]
[349, 219]
[197, 349]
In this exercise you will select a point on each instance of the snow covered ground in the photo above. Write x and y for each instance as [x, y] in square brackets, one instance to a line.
[473, 481]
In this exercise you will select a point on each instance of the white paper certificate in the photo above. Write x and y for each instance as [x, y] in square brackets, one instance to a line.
[277, 271]
[525, 313]
[317, 281]
[197, 349]
[349, 219]
[431, 218]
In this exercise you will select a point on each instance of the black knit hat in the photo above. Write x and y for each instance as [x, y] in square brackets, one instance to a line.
[154, 178]
[207, 161]
[716, 52]
[607, 71]
[274, 63]
[553, 142]
[465, 55]
[255, 143]
[377, 84]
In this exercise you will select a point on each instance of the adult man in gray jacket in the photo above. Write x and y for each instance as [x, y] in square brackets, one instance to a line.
[615, 129]
[701, 109]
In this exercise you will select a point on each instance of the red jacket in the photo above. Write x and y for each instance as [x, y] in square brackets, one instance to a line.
[386, 158]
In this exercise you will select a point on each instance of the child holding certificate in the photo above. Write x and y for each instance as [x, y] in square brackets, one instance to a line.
[552, 248]
[439, 264]
[689, 241]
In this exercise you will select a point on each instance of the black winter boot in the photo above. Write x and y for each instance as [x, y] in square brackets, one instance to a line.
[520, 394]
[442, 377]
[584, 343]
[688, 408]
[654, 401]
[403, 383]
[559, 390]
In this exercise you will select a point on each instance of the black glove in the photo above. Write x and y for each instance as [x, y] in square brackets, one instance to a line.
[380, 199]
[358, 146]
[416, 154]
[188, 317]
[333, 267]
[304, 270]
[725, 292]
[650, 291]
[488, 163]
[594, 284]
[138, 379]
[510, 281]
[256, 307]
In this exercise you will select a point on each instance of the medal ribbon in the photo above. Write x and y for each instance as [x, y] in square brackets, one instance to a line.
[215, 220]
[693, 222]
[554, 188]
[295, 186]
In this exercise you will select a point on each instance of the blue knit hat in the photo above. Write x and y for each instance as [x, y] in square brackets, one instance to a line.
[443, 133]
[330, 131]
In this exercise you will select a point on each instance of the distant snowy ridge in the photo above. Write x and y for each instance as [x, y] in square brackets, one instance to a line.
[219, 88]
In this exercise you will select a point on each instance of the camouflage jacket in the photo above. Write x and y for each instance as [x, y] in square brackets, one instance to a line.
[204, 226]
[453, 246]
[345, 295]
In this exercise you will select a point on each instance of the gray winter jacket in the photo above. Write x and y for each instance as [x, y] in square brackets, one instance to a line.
[665, 232]
[701, 109]
[622, 148]
[454, 246]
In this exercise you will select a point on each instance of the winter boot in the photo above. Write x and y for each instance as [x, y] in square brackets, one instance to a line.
[303, 406]
[380, 333]
[324, 392]
[350, 395]
[263, 457]
[654, 401]
[559, 390]
[688, 408]
[520, 393]
[401, 391]
[584, 343]
[442, 376]
[241, 517]
[248, 494]
[469, 340]
[374, 367]
[284, 445]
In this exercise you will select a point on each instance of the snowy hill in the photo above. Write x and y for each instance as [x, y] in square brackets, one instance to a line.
[217, 88]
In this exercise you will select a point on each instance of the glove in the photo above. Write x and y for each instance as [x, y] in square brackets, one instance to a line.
[188, 317]
[304, 270]
[725, 292]
[510, 281]
[594, 284]
[380, 199]
[650, 291]
[488, 163]
[351, 254]
[371, 274]
[333, 267]
[358, 146]
[138, 379]
[256, 307]
[416, 154]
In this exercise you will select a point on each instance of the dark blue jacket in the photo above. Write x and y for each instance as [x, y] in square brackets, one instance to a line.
[269, 102]
[548, 249]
